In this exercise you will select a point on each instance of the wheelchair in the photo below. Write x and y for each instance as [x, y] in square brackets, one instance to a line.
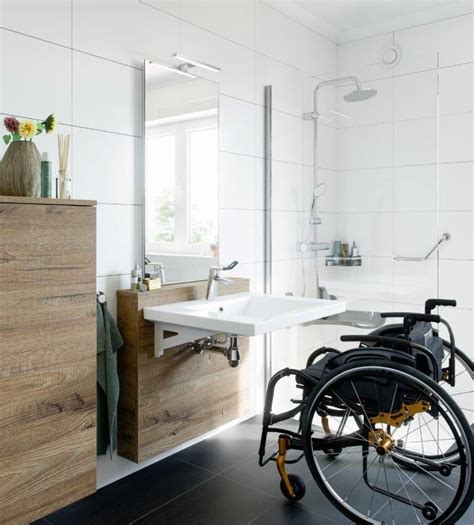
[385, 427]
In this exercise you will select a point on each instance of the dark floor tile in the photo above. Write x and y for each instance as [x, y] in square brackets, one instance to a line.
[282, 513]
[316, 502]
[216, 502]
[225, 449]
[249, 473]
[468, 518]
[133, 496]
[175, 491]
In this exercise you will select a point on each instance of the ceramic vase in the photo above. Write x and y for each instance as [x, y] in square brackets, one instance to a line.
[20, 170]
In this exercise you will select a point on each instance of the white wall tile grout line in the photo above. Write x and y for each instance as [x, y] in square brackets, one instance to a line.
[185, 21]
[70, 48]
[77, 126]
[404, 29]
[396, 121]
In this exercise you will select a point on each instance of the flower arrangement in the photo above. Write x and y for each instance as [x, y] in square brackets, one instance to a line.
[27, 129]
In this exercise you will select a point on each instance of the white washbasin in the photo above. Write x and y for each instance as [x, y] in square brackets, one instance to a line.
[244, 314]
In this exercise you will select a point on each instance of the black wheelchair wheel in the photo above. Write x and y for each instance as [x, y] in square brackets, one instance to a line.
[365, 482]
[298, 486]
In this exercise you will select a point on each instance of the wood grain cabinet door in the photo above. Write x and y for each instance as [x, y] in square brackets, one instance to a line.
[47, 358]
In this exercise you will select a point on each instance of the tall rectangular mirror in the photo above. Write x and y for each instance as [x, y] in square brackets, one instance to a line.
[181, 174]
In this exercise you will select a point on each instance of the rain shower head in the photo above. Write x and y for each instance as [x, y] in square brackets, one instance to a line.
[360, 94]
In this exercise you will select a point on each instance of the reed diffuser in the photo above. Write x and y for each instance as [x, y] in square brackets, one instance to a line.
[64, 181]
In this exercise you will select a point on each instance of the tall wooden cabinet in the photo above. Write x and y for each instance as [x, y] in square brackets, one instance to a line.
[47, 355]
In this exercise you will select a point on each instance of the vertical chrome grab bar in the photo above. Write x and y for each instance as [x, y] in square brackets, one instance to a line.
[444, 237]
[267, 205]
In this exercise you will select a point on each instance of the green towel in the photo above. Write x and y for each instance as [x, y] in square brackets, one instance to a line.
[109, 341]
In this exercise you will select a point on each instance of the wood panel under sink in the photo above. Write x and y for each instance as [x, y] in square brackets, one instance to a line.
[181, 395]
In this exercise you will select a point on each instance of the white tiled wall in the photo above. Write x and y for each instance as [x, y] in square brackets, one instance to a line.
[399, 171]
[406, 165]
[82, 59]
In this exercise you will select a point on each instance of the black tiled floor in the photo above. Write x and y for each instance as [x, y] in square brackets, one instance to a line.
[227, 449]
[217, 501]
[132, 497]
[288, 514]
[214, 482]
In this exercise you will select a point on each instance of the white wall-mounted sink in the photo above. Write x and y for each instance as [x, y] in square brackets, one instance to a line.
[238, 314]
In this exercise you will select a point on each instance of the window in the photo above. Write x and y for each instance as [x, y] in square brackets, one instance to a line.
[203, 185]
[160, 158]
[182, 187]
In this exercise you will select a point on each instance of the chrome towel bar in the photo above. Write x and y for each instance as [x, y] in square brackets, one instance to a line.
[444, 237]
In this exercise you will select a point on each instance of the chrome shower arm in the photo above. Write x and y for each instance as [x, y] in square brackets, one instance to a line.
[337, 81]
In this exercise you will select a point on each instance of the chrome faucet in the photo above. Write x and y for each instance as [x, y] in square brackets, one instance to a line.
[158, 268]
[214, 277]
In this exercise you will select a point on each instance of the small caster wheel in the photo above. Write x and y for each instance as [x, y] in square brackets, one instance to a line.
[445, 470]
[298, 485]
[429, 511]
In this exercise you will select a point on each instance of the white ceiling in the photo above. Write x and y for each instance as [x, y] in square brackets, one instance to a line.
[346, 20]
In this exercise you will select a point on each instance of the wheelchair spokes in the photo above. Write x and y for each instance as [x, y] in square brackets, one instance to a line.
[366, 480]
[462, 392]
[386, 428]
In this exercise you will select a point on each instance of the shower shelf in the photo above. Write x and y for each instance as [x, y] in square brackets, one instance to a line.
[343, 261]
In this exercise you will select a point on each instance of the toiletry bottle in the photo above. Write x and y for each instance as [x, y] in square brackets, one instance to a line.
[139, 271]
[141, 285]
[336, 251]
[46, 170]
[354, 250]
[134, 278]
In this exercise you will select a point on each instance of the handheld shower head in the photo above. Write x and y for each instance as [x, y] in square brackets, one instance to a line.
[319, 190]
[360, 94]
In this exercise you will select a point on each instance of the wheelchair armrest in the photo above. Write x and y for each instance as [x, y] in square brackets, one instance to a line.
[402, 344]
[430, 318]
[410, 320]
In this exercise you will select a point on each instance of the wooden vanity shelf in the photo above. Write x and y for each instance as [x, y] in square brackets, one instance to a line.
[169, 400]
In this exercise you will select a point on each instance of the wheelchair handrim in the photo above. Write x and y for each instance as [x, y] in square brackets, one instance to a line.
[455, 424]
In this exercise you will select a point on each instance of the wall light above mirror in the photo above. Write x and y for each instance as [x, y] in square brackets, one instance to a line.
[181, 173]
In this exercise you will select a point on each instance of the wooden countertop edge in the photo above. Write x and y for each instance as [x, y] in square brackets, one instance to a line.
[38, 200]
[174, 286]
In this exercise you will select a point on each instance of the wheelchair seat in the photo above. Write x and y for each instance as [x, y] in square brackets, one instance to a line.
[316, 370]
[334, 359]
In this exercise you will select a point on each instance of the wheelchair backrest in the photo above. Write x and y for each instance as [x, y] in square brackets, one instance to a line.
[422, 334]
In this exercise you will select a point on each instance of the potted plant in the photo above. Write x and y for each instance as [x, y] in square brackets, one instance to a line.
[20, 169]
